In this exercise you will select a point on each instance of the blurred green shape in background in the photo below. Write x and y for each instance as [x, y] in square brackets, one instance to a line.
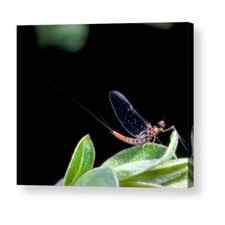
[69, 38]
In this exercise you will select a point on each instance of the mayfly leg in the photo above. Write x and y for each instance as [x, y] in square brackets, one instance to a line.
[169, 129]
[179, 136]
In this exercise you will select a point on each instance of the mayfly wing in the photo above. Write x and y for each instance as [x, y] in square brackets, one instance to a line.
[129, 118]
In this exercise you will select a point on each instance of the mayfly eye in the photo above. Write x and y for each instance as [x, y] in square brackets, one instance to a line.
[162, 124]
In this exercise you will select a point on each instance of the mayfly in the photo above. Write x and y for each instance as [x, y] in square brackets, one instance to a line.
[138, 127]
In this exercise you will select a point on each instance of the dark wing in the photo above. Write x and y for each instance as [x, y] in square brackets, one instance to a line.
[130, 119]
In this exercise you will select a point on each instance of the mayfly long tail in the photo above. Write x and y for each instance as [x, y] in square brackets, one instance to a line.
[101, 121]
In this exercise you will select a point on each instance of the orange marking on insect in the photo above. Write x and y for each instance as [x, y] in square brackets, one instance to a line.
[123, 138]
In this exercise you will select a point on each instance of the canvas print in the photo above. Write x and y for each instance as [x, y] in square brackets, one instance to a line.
[105, 105]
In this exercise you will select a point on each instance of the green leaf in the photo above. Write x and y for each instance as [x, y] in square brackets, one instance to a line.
[185, 180]
[171, 149]
[135, 160]
[81, 161]
[60, 182]
[69, 38]
[139, 184]
[103, 177]
[137, 153]
[172, 173]
[128, 170]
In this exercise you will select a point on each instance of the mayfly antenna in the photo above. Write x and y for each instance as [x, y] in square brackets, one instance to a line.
[182, 141]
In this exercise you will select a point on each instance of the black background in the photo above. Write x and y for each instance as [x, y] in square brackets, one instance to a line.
[153, 67]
